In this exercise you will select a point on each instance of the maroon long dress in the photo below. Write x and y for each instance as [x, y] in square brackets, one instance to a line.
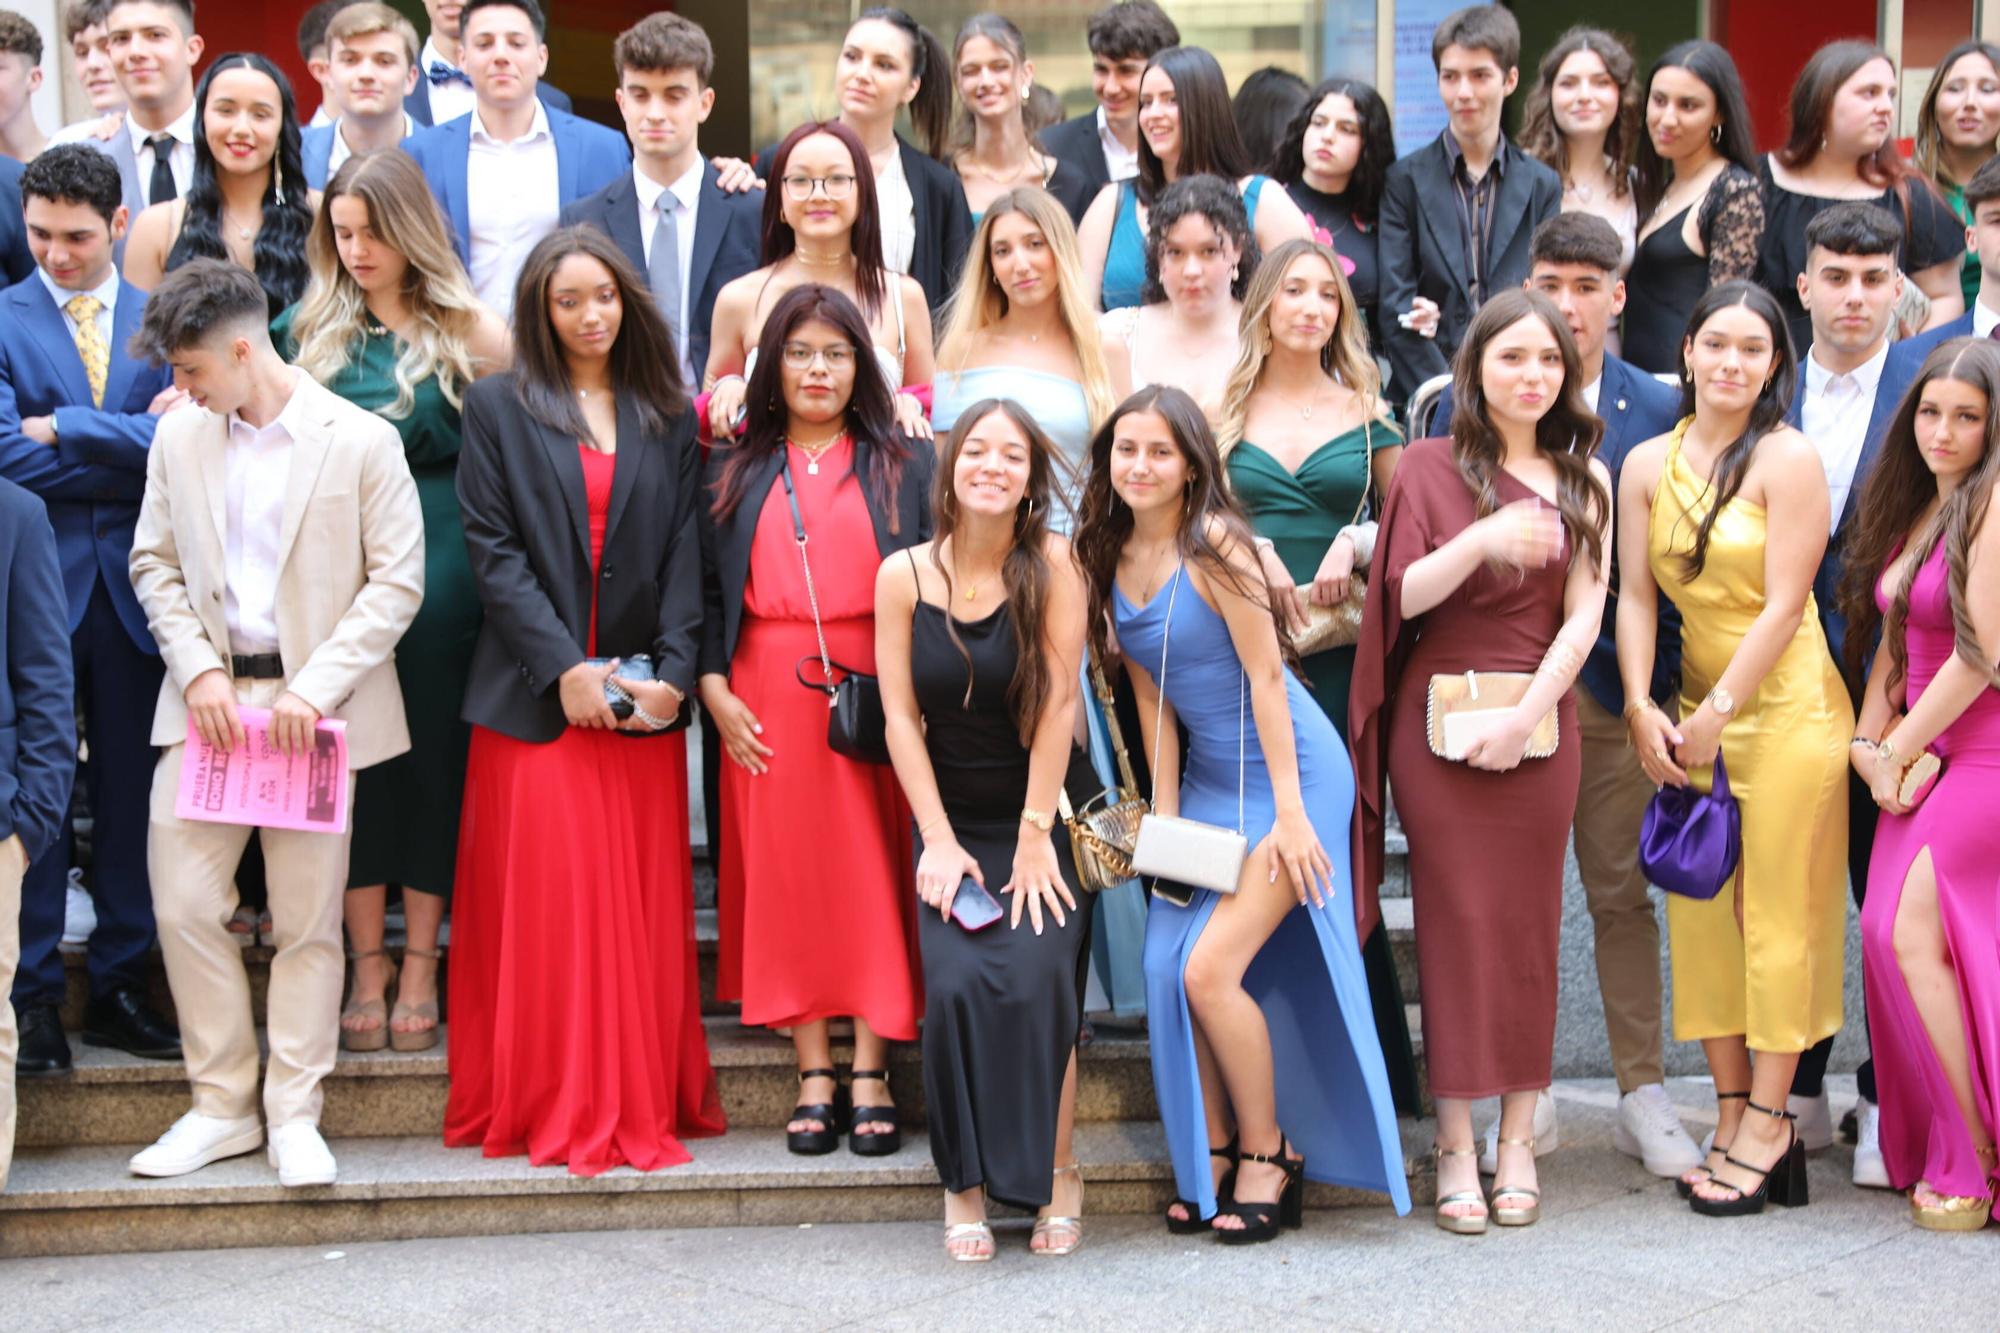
[817, 891]
[1486, 849]
[576, 1029]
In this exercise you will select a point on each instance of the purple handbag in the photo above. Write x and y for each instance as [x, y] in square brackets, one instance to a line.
[1690, 843]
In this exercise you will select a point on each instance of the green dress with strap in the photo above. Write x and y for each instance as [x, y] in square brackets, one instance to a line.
[406, 810]
[1302, 513]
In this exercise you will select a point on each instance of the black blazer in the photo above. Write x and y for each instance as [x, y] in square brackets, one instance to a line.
[527, 531]
[1421, 252]
[728, 233]
[726, 573]
[1071, 188]
[1075, 144]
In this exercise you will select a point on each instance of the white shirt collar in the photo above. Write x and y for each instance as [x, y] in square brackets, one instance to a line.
[181, 127]
[538, 128]
[287, 420]
[429, 55]
[106, 292]
[1866, 375]
[686, 188]
[1593, 392]
[1984, 318]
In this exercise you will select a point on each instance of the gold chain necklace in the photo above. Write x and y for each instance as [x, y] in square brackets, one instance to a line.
[839, 261]
[814, 452]
[971, 589]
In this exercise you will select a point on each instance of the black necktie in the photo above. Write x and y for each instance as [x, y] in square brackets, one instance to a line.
[161, 188]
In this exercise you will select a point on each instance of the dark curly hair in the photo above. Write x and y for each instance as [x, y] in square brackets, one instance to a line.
[74, 173]
[1209, 197]
[280, 251]
[1378, 145]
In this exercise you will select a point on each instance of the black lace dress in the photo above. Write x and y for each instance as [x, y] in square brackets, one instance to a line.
[1668, 277]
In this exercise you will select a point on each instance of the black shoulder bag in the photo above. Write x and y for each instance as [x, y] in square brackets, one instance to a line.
[855, 724]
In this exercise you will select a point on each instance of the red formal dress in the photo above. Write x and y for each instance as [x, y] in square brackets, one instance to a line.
[817, 886]
[576, 1030]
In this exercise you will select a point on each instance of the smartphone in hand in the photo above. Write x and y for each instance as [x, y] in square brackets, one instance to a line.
[973, 907]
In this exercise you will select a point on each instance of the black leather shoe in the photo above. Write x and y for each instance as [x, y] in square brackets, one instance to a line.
[125, 1020]
[44, 1049]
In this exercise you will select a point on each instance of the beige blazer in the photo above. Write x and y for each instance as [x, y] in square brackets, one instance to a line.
[351, 566]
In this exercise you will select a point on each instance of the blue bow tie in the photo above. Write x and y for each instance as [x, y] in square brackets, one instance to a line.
[440, 72]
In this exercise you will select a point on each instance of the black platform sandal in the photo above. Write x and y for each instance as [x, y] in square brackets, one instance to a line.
[816, 1142]
[1685, 1187]
[1784, 1183]
[1225, 1188]
[1261, 1221]
[873, 1145]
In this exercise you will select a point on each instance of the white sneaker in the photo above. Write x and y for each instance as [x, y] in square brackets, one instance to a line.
[1815, 1120]
[301, 1155]
[79, 912]
[1650, 1129]
[196, 1140]
[1870, 1171]
[1546, 1138]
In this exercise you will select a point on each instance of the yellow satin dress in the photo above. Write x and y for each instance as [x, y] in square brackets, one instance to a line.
[1776, 980]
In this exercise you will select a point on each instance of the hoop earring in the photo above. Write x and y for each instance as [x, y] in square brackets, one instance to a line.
[1715, 134]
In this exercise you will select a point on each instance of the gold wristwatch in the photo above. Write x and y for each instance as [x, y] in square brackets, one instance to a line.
[1722, 701]
[1039, 818]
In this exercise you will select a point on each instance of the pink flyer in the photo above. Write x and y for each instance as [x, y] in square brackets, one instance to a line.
[256, 784]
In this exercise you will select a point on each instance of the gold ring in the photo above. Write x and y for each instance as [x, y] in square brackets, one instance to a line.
[1662, 754]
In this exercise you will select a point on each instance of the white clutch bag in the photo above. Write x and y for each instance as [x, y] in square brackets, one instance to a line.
[1190, 852]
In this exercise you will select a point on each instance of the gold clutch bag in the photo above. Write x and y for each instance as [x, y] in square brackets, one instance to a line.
[1333, 626]
[1457, 701]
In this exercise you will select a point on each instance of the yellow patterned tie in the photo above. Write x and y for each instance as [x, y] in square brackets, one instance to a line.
[90, 344]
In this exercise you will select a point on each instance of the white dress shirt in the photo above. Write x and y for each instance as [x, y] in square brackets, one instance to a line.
[1590, 392]
[340, 152]
[684, 197]
[450, 100]
[1120, 161]
[256, 470]
[181, 158]
[107, 301]
[898, 210]
[514, 198]
[1835, 418]
[321, 116]
[1984, 319]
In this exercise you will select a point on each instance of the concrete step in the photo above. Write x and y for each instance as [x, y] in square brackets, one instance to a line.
[82, 1200]
[114, 1098]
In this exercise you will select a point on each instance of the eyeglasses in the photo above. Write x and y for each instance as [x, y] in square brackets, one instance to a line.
[799, 356]
[837, 186]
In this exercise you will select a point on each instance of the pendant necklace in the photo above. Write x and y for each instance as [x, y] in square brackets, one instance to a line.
[813, 452]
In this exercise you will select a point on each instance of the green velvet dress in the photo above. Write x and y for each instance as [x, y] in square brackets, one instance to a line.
[1302, 513]
[406, 810]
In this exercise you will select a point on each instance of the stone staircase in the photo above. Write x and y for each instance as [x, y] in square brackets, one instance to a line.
[70, 1192]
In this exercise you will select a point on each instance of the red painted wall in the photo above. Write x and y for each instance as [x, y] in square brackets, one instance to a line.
[1771, 42]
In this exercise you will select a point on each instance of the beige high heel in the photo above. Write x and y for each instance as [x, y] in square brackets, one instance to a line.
[1460, 1224]
[1049, 1226]
[421, 1039]
[375, 1038]
[1516, 1217]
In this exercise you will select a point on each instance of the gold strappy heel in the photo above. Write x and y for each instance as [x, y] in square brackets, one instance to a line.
[1955, 1212]
[1516, 1217]
[1457, 1223]
[959, 1231]
[1051, 1226]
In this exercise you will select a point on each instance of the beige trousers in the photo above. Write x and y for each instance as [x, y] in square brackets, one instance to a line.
[193, 867]
[1611, 801]
[13, 863]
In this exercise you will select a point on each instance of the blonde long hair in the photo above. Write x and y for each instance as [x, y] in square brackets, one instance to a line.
[981, 301]
[1345, 356]
[333, 314]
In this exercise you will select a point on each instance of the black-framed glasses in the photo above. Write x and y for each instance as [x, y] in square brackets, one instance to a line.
[837, 186]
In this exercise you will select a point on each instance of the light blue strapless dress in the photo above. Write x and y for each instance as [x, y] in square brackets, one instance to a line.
[1332, 1086]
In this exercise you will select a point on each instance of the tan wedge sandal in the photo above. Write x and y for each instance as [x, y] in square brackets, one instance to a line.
[375, 1038]
[1514, 1215]
[421, 1039]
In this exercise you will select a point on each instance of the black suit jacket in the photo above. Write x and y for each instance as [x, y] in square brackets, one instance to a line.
[728, 233]
[1075, 144]
[1421, 251]
[418, 103]
[729, 568]
[527, 531]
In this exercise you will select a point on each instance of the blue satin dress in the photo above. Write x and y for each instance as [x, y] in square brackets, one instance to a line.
[1332, 1085]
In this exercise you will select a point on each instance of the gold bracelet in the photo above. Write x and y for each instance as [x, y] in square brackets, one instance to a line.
[941, 819]
[1561, 660]
[1634, 707]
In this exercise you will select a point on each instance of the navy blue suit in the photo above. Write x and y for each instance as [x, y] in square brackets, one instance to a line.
[316, 152]
[91, 483]
[37, 695]
[418, 103]
[588, 158]
[15, 260]
[1635, 407]
[728, 232]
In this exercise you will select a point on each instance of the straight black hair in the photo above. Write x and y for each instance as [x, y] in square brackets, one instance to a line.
[1209, 140]
[1733, 140]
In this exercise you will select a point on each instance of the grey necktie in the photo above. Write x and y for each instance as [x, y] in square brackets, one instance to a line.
[663, 270]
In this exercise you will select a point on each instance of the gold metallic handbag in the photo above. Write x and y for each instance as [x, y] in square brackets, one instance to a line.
[1340, 626]
[1103, 833]
[1457, 701]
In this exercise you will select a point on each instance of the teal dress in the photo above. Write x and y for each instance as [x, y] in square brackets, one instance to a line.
[406, 810]
[1968, 272]
[1302, 513]
[1125, 261]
